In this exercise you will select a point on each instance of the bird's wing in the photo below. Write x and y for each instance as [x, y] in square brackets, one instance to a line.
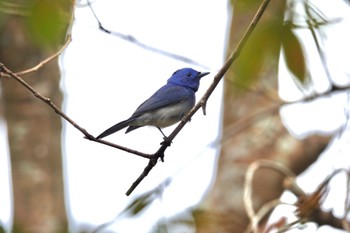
[165, 96]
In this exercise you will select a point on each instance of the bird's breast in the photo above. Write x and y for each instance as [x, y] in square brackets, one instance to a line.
[166, 116]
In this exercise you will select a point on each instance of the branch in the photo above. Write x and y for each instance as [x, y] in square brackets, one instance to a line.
[248, 183]
[43, 98]
[42, 63]
[308, 206]
[48, 101]
[256, 217]
[217, 78]
[202, 102]
[152, 162]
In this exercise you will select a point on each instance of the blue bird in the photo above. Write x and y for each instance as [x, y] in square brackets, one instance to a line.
[166, 106]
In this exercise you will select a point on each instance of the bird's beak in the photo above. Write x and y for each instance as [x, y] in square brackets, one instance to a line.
[203, 74]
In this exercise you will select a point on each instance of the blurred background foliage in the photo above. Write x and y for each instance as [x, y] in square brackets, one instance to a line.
[279, 33]
[46, 21]
[31, 30]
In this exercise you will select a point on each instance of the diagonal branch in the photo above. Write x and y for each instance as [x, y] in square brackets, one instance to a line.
[152, 162]
[48, 101]
[202, 102]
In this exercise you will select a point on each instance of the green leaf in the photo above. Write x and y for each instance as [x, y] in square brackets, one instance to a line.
[261, 50]
[293, 54]
[140, 203]
[47, 22]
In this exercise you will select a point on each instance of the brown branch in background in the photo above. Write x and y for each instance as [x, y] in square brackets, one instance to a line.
[248, 184]
[256, 217]
[264, 211]
[308, 206]
[245, 123]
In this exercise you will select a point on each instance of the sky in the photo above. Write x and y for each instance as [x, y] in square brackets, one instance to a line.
[105, 78]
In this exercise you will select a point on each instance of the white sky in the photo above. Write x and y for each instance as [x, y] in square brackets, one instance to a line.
[106, 78]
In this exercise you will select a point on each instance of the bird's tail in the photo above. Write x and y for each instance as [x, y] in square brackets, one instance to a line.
[114, 128]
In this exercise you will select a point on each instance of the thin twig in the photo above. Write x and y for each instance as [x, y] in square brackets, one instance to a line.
[311, 25]
[137, 42]
[42, 63]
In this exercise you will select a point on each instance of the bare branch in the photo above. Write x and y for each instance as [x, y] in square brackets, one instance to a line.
[42, 63]
[48, 101]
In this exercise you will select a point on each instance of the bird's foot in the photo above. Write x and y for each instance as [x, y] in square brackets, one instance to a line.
[166, 142]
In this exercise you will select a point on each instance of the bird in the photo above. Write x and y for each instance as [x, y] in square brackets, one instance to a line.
[167, 106]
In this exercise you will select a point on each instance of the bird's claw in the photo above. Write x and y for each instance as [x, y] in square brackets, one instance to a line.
[166, 142]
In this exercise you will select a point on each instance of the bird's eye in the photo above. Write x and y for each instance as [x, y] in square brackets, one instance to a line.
[175, 72]
[188, 74]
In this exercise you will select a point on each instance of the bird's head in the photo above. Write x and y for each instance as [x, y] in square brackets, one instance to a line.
[187, 77]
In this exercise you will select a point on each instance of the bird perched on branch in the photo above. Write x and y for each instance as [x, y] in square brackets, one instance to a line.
[166, 106]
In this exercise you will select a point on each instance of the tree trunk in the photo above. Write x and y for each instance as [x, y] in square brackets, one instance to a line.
[252, 130]
[34, 133]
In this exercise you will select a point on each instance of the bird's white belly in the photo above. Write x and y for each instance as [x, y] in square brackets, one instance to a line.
[164, 117]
